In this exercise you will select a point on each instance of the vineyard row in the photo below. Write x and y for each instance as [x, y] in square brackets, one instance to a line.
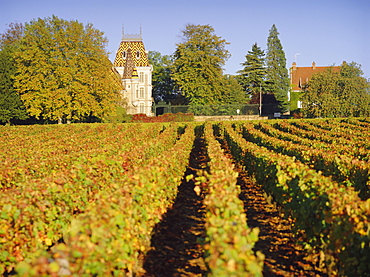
[84, 199]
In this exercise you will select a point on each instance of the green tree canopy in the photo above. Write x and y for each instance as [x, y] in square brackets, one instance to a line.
[63, 71]
[163, 85]
[252, 76]
[277, 74]
[11, 105]
[337, 94]
[234, 93]
[198, 63]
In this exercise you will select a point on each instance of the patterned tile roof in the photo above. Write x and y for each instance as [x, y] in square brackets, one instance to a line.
[139, 55]
[129, 65]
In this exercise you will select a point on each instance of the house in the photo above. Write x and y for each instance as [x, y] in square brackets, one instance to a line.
[300, 76]
[132, 64]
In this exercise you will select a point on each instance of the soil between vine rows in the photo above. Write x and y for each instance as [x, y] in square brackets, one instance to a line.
[176, 251]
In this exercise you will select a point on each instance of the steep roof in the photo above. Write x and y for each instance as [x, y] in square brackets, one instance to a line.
[136, 46]
[129, 66]
[299, 76]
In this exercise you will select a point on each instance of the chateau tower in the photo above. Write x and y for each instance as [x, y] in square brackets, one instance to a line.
[132, 64]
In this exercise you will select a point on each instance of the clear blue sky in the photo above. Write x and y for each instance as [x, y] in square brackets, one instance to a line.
[325, 31]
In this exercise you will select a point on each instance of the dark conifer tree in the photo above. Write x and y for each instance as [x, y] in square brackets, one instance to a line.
[277, 74]
[252, 76]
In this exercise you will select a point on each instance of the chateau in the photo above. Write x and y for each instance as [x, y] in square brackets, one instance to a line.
[133, 66]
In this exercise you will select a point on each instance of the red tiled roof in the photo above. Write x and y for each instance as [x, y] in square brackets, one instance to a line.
[299, 76]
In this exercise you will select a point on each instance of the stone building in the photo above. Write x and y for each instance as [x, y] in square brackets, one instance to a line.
[132, 64]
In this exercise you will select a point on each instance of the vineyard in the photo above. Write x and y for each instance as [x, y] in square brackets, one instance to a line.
[176, 199]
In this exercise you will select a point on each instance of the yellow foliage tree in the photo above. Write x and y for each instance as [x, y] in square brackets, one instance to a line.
[63, 71]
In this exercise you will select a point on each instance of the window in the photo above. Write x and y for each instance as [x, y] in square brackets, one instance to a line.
[137, 54]
[124, 54]
[141, 77]
[141, 108]
[141, 92]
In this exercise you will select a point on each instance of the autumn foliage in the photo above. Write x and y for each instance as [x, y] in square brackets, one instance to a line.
[83, 199]
[168, 117]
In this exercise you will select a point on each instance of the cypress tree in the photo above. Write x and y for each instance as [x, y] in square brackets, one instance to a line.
[277, 74]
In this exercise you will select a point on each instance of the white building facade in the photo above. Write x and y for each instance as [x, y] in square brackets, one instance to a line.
[133, 66]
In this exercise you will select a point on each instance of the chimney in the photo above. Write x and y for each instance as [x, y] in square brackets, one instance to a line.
[294, 66]
[313, 65]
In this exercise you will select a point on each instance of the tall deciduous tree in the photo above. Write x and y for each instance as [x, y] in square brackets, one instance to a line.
[63, 71]
[252, 76]
[163, 84]
[198, 63]
[277, 74]
[337, 94]
[11, 106]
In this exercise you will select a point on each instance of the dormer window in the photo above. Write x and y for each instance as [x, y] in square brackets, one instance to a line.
[124, 54]
[137, 54]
